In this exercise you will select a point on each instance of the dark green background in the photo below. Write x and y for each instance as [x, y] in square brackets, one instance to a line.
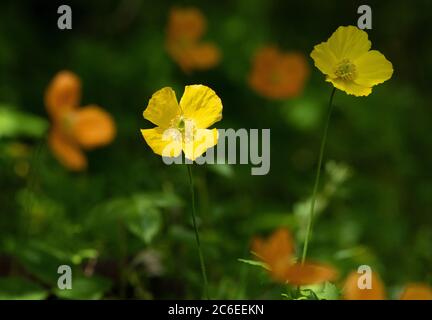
[134, 211]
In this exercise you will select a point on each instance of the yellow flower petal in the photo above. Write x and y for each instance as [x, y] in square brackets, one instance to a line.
[164, 142]
[201, 104]
[162, 107]
[350, 87]
[372, 69]
[417, 291]
[204, 139]
[349, 43]
[324, 58]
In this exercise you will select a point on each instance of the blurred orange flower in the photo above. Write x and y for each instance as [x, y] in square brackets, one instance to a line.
[278, 75]
[353, 292]
[73, 128]
[185, 29]
[277, 252]
[412, 291]
[417, 291]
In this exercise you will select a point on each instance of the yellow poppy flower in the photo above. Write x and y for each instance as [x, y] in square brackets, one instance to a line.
[348, 62]
[183, 126]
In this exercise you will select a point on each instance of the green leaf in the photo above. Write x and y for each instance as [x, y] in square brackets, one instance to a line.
[14, 288]
[254, 263]
[146, 224]
[160, 199]
[329, 292]
[139, 213]
[222, 169]
[15, 123]
[85, 288]
[324, 291]
[41, 262]
[83, 254]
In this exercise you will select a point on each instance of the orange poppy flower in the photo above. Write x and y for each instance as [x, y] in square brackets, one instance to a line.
[278, 75]
[278, 253]
[417, 291]
[74, 129]
[353, 292]
[184, 31]
[412, 291]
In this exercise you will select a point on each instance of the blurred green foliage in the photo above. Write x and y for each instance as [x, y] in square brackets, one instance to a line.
[124, 224]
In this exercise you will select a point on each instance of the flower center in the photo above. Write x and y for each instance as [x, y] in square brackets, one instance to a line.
[67, 122]
[185, 129]
[346, 70]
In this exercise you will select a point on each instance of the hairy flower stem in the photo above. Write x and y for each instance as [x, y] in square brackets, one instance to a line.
[201, 257]
[317, 178]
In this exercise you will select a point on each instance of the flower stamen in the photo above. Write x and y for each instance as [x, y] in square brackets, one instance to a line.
[185, 129]
[346, 70]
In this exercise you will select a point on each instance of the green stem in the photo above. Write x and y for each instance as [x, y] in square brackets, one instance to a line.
[317, 178]
[201, 257]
